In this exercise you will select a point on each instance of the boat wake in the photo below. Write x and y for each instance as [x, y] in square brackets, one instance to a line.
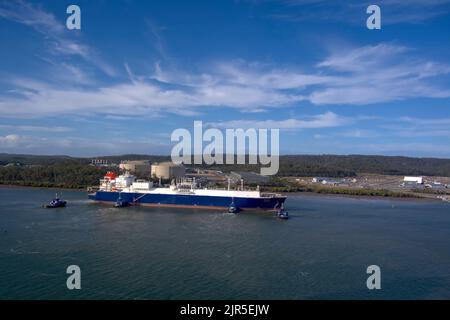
[80, 202]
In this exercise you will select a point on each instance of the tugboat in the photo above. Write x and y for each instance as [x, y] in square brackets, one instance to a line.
[232, 208]
[56, 203]
[120, 203]
[282, 213]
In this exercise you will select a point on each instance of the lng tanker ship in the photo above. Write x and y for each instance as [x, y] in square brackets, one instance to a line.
[181, 193]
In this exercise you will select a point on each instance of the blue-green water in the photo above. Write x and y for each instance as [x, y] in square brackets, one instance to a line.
[322, 252]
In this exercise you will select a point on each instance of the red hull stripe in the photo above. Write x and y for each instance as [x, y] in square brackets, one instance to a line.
[186, 206]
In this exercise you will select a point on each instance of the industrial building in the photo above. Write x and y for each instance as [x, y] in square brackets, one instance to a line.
[418, 180]
[167, 170]
[138, 167]
[211, 176]
[248, 177]
[102, 163]
[333, 182]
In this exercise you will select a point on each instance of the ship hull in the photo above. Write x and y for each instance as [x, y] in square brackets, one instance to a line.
[189, 201]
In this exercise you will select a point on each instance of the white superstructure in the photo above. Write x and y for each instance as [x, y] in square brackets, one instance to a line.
[127, 183]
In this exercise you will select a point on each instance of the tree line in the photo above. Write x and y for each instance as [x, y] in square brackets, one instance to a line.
[72, 172]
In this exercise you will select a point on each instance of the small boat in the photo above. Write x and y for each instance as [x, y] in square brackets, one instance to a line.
[232, 208]
[120, 203]
[282, 213]
[56, 203]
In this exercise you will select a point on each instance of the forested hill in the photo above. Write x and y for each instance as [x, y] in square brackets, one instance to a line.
[26, 159]
[57, 171]
[352, 165]
[290, 165]
[334, 165]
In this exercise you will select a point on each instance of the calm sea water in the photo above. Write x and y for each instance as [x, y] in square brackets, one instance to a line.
[322, 252]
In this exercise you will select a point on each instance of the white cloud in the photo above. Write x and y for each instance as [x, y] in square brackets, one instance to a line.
[240, 73]
[362, 58]
[408, 127]
[54, 32]
[31, 15]
[11, 140]
[72, 146]
[380, 73]
[352, 11]
[412, 148]
[157, 39]
[365, 75]
[137, 98]
[325, 120]
[34, 128]
[430, 122]
[360, 133]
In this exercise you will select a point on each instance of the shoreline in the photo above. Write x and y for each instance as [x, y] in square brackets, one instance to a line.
[361, 197]
[18, 186]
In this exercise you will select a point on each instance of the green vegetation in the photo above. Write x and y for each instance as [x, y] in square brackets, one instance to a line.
[57, 171]
[337, 166]
[25, 159]
[350, 166]
[432, 191]
[338, 190]
[65, 175]
[284, 186]
[70, 172]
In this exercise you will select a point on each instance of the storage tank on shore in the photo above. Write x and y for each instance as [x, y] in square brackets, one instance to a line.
[167, 170]
[140, 167]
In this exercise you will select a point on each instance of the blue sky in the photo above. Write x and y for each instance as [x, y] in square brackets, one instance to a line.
[137, 70]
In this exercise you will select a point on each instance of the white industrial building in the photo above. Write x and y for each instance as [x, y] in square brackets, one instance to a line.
[418, 180]
[140, 167]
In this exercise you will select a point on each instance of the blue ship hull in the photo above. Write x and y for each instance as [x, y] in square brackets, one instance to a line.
[189, 201]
